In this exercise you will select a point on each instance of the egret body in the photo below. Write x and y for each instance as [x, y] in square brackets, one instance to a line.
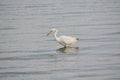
[66, 41]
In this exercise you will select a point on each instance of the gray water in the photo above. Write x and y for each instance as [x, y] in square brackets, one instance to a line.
[26, 53]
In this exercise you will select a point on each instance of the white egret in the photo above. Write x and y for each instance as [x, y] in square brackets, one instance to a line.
[66, 41]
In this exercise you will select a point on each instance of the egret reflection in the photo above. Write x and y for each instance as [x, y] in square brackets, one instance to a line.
[68, 49]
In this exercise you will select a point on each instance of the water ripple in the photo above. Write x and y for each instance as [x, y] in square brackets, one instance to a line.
[27, 54]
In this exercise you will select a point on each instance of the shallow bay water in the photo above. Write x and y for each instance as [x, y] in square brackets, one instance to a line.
[26, 53]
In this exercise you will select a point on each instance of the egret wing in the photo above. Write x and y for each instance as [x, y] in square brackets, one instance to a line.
[68, 40]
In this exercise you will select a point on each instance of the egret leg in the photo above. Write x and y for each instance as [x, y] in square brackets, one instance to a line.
[66, 46]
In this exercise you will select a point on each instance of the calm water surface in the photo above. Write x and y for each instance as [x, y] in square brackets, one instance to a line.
[27, 54]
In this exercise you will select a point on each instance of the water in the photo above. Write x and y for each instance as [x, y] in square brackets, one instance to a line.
[27, 54]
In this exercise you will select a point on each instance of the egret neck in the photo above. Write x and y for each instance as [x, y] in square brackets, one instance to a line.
[55, 35]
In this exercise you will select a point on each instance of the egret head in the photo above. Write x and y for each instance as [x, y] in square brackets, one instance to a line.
[50, 31]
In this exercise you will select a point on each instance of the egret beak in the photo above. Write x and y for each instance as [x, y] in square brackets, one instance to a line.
[49, 32]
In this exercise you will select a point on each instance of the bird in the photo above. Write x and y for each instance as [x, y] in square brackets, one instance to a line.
[66, 41]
